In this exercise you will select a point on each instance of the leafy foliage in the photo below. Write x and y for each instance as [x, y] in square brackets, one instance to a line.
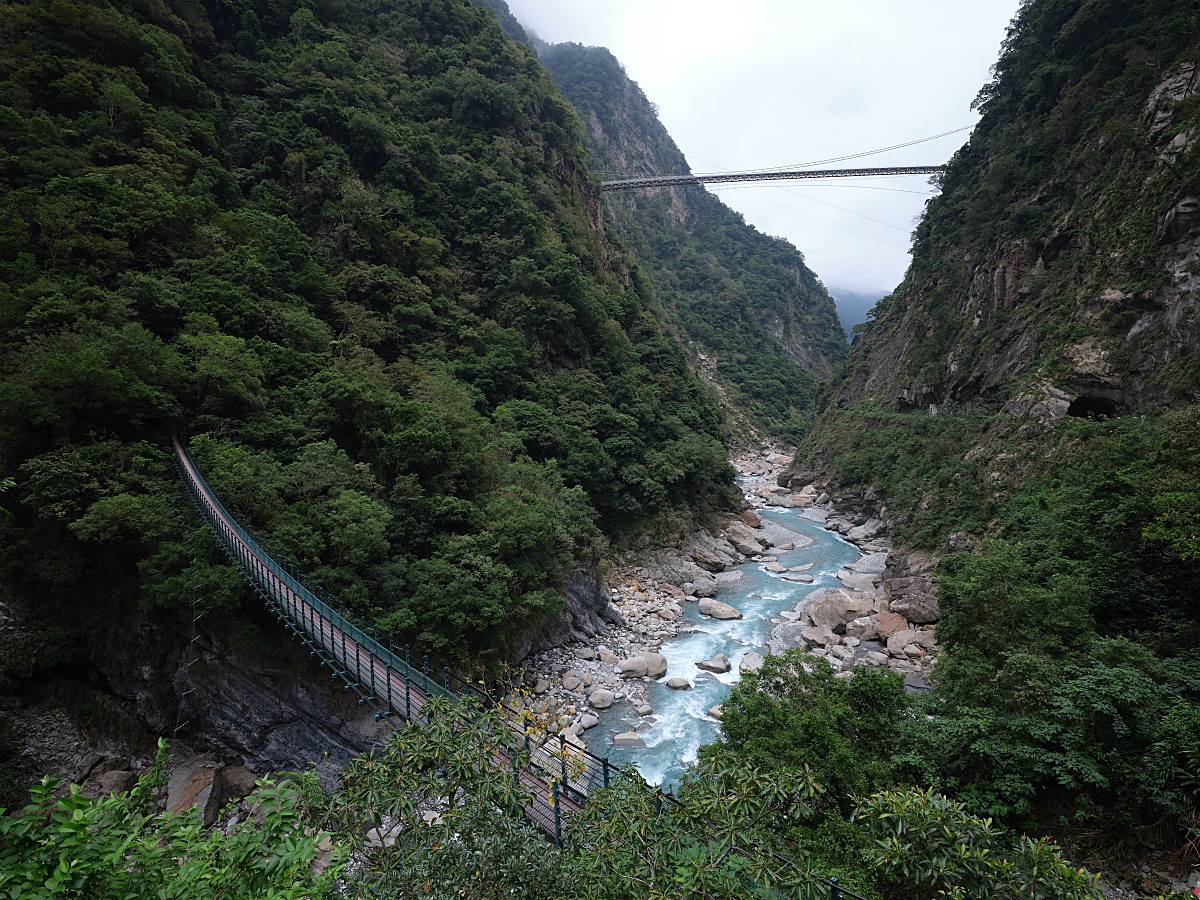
[930, 846]
[438, 823]
[1066, 641]
[63, 845]
[794, 713]
[351, 250]
[918, 461]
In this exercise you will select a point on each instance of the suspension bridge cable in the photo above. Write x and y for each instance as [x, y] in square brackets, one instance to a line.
[833, 206]
[837, 159]
[823, 219]
[804, 165]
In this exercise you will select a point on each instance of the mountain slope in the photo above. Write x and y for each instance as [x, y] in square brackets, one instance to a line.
[745, 303]
[1025, 403]
[1064, 240]
[353, 251]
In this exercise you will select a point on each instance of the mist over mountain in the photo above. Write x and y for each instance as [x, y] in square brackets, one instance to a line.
[853, 306]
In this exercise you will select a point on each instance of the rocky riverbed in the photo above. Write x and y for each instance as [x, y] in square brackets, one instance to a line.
[882, 615]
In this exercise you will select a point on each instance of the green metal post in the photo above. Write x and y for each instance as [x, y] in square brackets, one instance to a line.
[835, 893]
[557, 817]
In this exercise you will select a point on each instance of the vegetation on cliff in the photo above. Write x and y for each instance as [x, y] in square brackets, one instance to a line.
[1052, 294]
[1059, 243]
[744, 300]
[421, 818]
[353, 251]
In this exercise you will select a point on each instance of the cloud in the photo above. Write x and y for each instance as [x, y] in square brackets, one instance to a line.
[779, 82]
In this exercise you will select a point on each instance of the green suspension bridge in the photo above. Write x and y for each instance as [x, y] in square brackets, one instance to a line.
[556, 774]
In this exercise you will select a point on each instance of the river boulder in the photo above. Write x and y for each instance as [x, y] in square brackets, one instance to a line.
[718, 610]
[751, 518]
[817, 636]
[866, 531]
[741, 538]
[862, 628]
[888, 623]
[913, 597]
[656, 665]
[193, 783]
[718, 664]
[836, 609]
[751, 662]
[601, 699]
[901, 640]
[634, 667]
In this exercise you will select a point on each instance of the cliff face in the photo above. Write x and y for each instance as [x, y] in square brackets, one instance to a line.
[746, 305]
[1064, 244]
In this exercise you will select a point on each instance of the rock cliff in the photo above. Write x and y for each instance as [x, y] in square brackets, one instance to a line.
[1064, 243]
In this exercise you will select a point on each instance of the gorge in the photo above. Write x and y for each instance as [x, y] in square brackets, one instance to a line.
[355, 254]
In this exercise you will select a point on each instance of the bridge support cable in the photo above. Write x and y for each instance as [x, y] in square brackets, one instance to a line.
[652, 181]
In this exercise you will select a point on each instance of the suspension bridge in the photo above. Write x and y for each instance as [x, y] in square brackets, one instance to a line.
[556, 774]
[654, 181]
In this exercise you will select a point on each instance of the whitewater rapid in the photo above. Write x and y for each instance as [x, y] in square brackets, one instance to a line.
[680, 724]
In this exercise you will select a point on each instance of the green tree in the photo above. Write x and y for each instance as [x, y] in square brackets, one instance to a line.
[930, 846]
[63, 845]
[794, 712]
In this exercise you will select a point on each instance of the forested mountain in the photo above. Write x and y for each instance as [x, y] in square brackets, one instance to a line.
[1062, 245]
[745, 302]
[1025, 405]
[354, 253]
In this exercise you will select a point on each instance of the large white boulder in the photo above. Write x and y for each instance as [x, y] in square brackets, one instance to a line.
[718, 610]
[718, 664]
[601, 699]
[751, 662]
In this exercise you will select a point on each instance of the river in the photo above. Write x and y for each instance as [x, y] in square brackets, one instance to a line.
[680, 724]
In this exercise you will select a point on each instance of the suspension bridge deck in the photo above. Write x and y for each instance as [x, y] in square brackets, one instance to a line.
[651, 181]
[556, 774]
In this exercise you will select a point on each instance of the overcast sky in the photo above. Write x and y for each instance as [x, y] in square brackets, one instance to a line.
[761, 83]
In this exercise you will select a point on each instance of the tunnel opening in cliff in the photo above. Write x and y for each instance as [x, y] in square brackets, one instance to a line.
[1090, 406]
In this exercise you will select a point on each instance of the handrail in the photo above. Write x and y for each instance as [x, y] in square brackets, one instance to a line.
[380, 675]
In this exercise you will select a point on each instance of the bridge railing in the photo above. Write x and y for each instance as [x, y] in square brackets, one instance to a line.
[655, 181]
[356, 652]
